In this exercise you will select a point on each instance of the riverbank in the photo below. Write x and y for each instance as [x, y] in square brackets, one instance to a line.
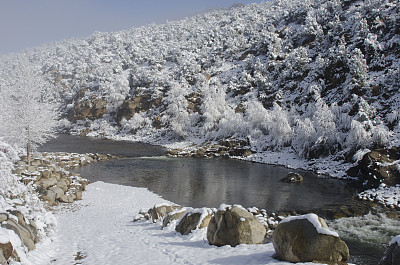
[99, 229]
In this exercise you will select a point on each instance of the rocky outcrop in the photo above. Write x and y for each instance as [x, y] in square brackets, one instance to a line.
[226, 148]
[233, 226]
[194, 219]
[307, 238]
[392, 254]
[88, 109]
[377, 167]
[293, 177]
[136, 104]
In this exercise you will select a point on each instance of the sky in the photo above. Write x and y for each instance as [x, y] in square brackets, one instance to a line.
[29, 23]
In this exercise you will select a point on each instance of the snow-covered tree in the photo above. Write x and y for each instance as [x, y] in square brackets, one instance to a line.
[29, 110]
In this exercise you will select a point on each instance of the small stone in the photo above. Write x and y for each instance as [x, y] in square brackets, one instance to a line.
[293, 177]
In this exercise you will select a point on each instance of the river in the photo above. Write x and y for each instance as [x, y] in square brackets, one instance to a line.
[202, 182]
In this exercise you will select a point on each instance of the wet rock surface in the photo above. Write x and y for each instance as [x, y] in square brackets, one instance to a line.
[392, 254]
[377, 167]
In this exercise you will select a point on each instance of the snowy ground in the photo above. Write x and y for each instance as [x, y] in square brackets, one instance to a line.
[99, 230]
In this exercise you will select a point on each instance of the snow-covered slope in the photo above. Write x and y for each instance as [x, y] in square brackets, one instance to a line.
[316, 78]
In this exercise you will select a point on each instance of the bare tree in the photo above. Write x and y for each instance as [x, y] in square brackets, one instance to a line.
[29, 111]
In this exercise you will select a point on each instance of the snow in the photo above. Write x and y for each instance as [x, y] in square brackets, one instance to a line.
[395, 239]
[312, 218]
[4, 236]
[388, 196]
[99, 230]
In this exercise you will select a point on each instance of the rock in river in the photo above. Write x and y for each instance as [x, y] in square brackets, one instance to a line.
[293, 177]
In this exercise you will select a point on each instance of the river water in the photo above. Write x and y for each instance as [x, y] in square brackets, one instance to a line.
[202, 182]
[205, 182]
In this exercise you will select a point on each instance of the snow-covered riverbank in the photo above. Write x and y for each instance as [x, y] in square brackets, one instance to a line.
[99, 230]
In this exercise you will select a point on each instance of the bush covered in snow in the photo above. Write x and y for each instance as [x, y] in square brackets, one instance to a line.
[319, 77]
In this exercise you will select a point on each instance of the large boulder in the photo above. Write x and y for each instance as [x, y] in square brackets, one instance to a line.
[392, 254]
[234, 225]
[307, 238]
[194, 219]
[158, 212]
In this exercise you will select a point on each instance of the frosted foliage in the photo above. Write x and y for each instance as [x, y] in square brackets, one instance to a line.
[304, 136]
[232, 124]
[358, 137]
[135, 123]
[324, 122]
[359, 67]
[118, 90]
[258, 116]
[279, 128]
[8, 181]
[286, 74]
[380, 135]
[29, 114]
[393, 117]
[214, 108]
[176, 115]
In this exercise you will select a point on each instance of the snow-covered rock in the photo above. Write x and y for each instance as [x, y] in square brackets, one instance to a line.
[234, 225]
[194, 219]
[158, 212]
[392, 254]
[307, 238]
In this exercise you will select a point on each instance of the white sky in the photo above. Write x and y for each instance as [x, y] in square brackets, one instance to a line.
[29, 23]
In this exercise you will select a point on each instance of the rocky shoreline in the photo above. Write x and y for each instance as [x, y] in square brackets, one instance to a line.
[235, 225]
[49, 175]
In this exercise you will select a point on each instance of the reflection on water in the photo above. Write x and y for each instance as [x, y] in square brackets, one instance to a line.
[77, 144]
[202, 182]
[210, 182]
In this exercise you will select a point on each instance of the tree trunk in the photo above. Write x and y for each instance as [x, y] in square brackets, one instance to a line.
[28, 155]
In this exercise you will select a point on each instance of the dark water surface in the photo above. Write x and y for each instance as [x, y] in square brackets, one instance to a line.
[204, 182]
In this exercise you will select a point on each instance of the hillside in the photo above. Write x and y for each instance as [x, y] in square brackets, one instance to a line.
[317, 79]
